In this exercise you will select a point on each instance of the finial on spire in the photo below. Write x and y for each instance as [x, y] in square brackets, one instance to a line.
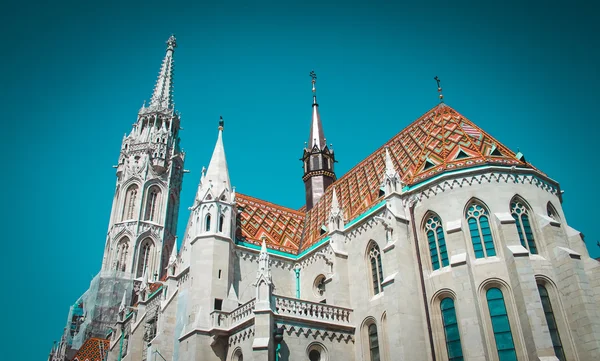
[221, 123]
[439, 89]
[314, 89]
[171, 43]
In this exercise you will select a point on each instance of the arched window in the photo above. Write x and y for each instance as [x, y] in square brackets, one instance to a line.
[451, 330]
[501, 325]
[376, 267]
[145, 257]
[152, 203]
[481, 234]
[552, 213]
[558, 349]
[521, 215]
[207, 223]
[373, 342]
[437, 244]
[129, 204]
[122, 251]
[221, 221]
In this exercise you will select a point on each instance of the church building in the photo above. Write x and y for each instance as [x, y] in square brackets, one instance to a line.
[443, 244]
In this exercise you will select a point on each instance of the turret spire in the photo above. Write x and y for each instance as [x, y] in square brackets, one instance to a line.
[318, 158]
[317, 137]
[217, 174]
[162, 98]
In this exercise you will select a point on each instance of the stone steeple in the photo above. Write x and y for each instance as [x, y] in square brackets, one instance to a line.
[216, 179]
[149, 177]
[162, 97]
[318, 159]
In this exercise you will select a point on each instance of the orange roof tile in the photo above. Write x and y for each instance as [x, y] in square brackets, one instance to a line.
[440, 140]
[93, 349]
[282, 227]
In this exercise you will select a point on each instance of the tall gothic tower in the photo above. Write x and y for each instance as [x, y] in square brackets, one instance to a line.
[318, 159]
[143, 221]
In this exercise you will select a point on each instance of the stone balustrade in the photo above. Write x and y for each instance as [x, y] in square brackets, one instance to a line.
[243, 312]
[296, 308]
[227, 320]
[286, 307]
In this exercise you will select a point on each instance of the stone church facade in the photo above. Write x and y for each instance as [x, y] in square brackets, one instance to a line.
[443, 244]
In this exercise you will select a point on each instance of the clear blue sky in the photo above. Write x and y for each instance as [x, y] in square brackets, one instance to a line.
[75, 75]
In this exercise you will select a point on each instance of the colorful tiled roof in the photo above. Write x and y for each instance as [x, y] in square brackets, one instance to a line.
[440, 140]
[282, 227]
[93, 349]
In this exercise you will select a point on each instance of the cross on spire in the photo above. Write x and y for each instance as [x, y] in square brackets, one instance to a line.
[439, 88]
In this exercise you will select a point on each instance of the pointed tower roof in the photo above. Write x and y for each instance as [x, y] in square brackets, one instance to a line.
[217, 174]
[317, 136]
[173, 257]
[123, 302]
[162, 98]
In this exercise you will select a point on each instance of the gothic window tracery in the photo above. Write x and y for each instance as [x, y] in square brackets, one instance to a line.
[479, 229]
[144, 259]
[552, 213]
[129, 205]
[437, 242]
[152, 204]
[374, 255]
[520, 213]
[122, 251]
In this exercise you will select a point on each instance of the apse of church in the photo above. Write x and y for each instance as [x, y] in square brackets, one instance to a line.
[443, 244]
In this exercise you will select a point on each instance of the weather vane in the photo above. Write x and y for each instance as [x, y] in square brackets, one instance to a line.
[314, 79]
[439, 88]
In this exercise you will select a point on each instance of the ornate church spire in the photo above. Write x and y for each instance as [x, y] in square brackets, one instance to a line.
[317, 137]
[318, 159]
[162, 98]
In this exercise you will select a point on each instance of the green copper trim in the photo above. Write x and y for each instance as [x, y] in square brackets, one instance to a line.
[377, 206]
[297, 270]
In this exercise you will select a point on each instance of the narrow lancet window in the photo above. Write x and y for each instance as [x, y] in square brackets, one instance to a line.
[207, 223]
[481, 234]
[521, 215]
[130, 203]
[221, 222]
[437, 243]
[152, 204]
[373, 342]
[552, 327]
[144, 259]
[451, 331]
[376, 267]
[501, 325]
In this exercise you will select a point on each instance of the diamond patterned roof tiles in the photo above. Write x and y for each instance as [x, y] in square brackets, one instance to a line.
[282, 227]
[92, 350]
[440, 140]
